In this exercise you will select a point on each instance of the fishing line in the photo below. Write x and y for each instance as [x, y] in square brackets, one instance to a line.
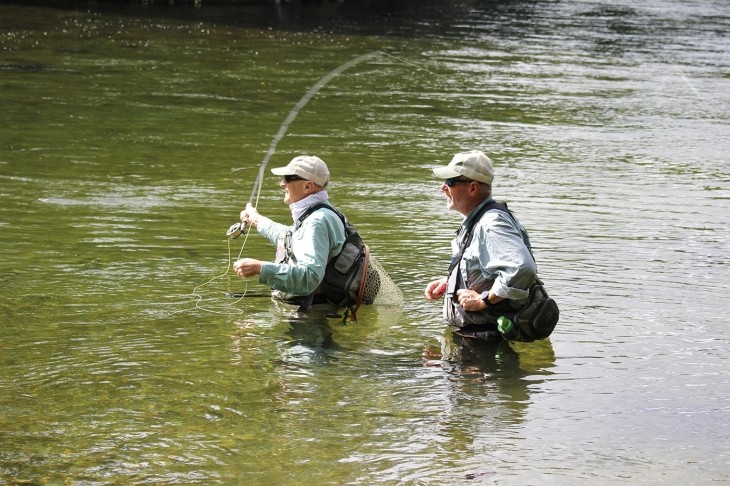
[303, 101]
[229, 307]
[686, 80]
[241, 228]
[710, 109]
[420, 68]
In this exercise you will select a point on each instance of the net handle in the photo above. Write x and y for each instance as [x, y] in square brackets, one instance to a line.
[363, 279]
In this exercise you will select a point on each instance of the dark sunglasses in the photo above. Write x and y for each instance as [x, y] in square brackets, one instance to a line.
[455, 180]
[292, 178]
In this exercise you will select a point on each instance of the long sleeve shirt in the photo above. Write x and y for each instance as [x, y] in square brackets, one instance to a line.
[319, 238]
[498, 257]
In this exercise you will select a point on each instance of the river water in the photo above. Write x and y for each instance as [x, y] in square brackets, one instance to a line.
[131, 138]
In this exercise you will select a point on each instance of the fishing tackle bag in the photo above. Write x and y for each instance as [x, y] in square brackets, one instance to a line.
[539, 315]
[345, 275]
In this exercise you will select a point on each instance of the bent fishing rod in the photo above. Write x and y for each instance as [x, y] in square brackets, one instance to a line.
[240, 228]
[236, 229]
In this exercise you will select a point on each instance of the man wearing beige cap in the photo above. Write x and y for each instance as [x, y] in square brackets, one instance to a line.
[305, 248]
[492, 266]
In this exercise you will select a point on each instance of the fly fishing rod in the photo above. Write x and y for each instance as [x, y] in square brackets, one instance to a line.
[235, 230]
[238, 228]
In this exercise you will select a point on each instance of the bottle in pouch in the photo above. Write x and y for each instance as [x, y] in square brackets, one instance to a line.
[507, 328]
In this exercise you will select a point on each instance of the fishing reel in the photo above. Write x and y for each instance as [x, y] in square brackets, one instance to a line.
[235, 230]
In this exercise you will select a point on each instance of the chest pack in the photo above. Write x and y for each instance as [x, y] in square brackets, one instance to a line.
[346, 273]
[536, 318]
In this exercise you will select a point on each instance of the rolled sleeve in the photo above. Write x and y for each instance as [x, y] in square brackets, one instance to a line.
[498, 258]
[506, 256]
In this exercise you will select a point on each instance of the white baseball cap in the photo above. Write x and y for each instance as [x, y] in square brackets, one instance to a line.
[472, 165]
[307, 167]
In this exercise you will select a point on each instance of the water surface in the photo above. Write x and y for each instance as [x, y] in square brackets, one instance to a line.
[132, 138]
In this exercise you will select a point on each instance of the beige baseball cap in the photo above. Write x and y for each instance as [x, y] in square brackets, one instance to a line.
[307, 167]
[472, 165]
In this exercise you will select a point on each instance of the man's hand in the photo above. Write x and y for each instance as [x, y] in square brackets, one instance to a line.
[436, 289]
[247, 267]
[470, 300]
[250, 216]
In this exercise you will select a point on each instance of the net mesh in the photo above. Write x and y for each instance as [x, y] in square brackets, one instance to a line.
[379, 287]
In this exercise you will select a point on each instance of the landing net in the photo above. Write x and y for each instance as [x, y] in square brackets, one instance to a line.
[379, 287]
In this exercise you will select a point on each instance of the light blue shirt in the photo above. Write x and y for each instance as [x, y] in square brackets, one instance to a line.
[498, 257]
[319, 238]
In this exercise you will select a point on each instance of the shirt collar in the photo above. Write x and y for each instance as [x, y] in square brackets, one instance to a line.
[473, 212]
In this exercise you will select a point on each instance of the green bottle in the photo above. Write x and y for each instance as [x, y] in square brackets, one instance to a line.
[507, 328]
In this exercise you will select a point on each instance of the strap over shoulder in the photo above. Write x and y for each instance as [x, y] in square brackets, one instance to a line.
[469, 232]
[314, 208]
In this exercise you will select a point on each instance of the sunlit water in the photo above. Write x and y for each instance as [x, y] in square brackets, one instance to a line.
[131, 140]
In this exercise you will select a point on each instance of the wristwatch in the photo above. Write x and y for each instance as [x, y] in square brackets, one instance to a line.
[485, 297]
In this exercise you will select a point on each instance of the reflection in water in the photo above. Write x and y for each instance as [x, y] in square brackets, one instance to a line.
[485, 389]
[308, 330]
[472, 355]
[503, 367]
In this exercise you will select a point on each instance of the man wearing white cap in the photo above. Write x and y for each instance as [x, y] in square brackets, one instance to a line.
[305, 248]
[492, 266]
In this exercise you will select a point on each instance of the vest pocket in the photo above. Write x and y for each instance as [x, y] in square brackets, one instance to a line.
[347, 258]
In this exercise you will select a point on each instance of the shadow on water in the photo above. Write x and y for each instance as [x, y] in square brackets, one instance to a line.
[604, 30]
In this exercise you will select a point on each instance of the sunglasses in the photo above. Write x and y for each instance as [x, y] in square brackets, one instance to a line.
[292, 178]
[455, 180]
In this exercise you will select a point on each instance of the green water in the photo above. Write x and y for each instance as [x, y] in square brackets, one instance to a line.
[131, 139]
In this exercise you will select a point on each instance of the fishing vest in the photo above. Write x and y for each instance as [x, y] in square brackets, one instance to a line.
[344, 275]
[533, 318]
[485, 320]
